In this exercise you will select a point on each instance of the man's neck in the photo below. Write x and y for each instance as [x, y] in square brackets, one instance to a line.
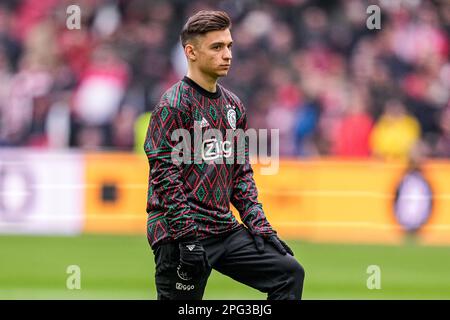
[207, 83]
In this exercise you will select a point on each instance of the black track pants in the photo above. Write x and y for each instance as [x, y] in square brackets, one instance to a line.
[234, 255]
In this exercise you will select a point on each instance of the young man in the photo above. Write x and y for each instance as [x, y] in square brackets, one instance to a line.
[190, 226]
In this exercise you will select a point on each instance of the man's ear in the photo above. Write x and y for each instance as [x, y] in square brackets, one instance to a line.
[190, 52]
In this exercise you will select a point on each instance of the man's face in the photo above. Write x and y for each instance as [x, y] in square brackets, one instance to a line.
[213, 53]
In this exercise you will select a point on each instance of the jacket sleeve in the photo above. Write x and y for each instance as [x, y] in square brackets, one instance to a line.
[245, 194]
[166, 192]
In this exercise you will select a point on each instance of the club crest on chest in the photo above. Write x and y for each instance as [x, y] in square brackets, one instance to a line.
[231, 116]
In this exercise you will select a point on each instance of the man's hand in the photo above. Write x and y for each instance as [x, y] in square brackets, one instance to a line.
[193, 260]
[273, 239]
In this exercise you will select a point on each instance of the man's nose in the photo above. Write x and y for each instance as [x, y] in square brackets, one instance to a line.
[227, 54]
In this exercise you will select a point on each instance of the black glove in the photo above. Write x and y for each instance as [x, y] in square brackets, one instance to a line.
[193, 260]
[273, 239]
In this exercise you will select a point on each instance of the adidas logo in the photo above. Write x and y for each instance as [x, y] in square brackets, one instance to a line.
[191, 247]
[204, 123]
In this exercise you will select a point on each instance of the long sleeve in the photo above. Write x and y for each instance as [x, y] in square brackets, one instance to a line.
[166, 194]
[245, 194]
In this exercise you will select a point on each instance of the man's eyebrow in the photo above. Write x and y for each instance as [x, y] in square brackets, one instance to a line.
[219, 43]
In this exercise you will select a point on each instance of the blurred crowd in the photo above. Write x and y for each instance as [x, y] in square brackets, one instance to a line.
[312, 69]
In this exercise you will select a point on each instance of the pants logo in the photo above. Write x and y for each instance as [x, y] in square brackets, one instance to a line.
[180, 286]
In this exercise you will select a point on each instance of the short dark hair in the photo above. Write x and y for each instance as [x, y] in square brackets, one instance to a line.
[202, 22]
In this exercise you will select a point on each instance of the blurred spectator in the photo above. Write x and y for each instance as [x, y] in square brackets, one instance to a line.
[306, 122]
[354, 129]
[97, 100]
[396, 133]
[443, 144]
[140, 132]
[26, 107]
[9, 46]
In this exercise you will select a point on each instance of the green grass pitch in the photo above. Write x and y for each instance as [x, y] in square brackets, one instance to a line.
[122, 267]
